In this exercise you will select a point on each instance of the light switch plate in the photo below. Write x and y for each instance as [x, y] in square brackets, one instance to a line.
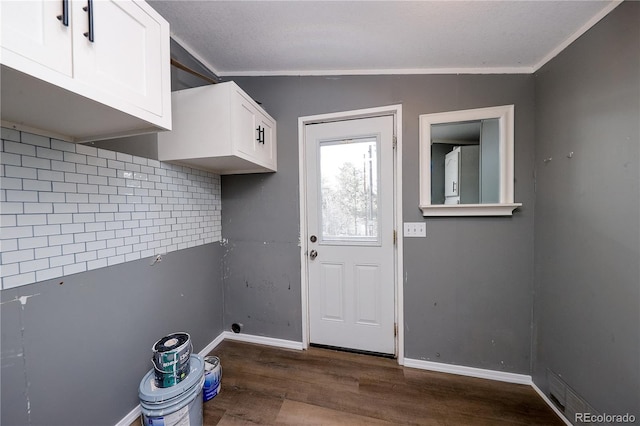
[415, 229]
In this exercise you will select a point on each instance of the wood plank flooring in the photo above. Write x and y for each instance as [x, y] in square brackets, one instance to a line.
[271, 386]
[264, 385]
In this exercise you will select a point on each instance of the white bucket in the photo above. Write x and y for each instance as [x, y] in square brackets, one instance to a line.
[178, 405]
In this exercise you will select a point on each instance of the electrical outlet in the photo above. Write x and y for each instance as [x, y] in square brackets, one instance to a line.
[415, 229]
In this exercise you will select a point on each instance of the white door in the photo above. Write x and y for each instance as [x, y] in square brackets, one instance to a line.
[349, 187]
[37, 31]
[125, 57]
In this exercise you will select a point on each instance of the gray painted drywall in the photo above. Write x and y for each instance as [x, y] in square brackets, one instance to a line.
[469, 284]
[587, 304]
[74, 353]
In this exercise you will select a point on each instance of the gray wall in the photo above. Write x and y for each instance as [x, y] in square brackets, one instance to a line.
[587, 310]
[74, 353]
[468, 291]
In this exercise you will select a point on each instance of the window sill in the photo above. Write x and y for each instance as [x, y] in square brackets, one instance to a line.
[503, 209]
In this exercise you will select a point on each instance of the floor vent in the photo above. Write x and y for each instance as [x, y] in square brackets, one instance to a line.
[572, 405]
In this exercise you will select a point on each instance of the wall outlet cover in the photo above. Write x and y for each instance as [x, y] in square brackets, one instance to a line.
[415, 229]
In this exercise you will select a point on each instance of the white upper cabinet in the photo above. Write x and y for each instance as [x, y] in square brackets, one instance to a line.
[37, 31]
[221, 129]
[84, 70]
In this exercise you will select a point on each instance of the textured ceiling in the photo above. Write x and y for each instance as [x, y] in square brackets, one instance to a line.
[377, 37]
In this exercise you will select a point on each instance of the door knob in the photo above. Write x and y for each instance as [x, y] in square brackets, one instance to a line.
[313, 254]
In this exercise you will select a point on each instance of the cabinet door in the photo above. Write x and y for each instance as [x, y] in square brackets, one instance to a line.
[33, 36]
[125, 57]
[264, 147]
[244, 129]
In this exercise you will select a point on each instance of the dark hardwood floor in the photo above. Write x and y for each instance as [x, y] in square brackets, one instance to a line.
[264, 385]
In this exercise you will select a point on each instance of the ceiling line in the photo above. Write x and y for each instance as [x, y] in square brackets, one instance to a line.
[392, 71]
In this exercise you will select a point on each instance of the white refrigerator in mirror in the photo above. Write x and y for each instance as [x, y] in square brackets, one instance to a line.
[461, 175]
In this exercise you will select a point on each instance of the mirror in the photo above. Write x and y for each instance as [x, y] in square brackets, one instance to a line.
[467, 162]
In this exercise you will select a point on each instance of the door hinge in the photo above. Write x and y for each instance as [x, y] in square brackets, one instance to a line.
[395, 330]
[395, 237]
[395, 141]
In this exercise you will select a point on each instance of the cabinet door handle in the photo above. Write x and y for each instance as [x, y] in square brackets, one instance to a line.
[64, 18]
[89, 9]
[260, 137]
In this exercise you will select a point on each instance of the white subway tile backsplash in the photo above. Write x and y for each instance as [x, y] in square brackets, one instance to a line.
[50, 176]
[74, 268]
[11, 183]
[9, 134]
[86, 256]
[32, 242]
[38, 208]
[36, 163]
[70, 208]
[49, 153]
[65, 207]
[99, 263]
[87, 150]
[62, 146]
[12, 208]
[42, 230]
[9, 257]
[47, 274]
[73, 228]
[63, 166]
[70, 157]
[14, 195]
[77, 198]
[20, 172]
[114, 260]
[36, 185]
[106, 154]
[11, 159]
[59, 218]
[69, 188]
[87, 170]
[34, 265]
[55, 240]
[73, 248]
[19, 148]
[31, 219]
[10, 269]
[18, 280]
[94, 161]
[61, 260]
[47, 252]
[75, 178]
[31, 139]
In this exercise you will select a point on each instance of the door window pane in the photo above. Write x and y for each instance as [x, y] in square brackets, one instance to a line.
[349, 190]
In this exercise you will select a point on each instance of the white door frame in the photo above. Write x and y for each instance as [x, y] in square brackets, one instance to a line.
[396, 111]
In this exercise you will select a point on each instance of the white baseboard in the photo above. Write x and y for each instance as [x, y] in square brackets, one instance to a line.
[551, 404]
[499, 376]
[211, 346]
[131, 417]
[261, 340]
[225, 335]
